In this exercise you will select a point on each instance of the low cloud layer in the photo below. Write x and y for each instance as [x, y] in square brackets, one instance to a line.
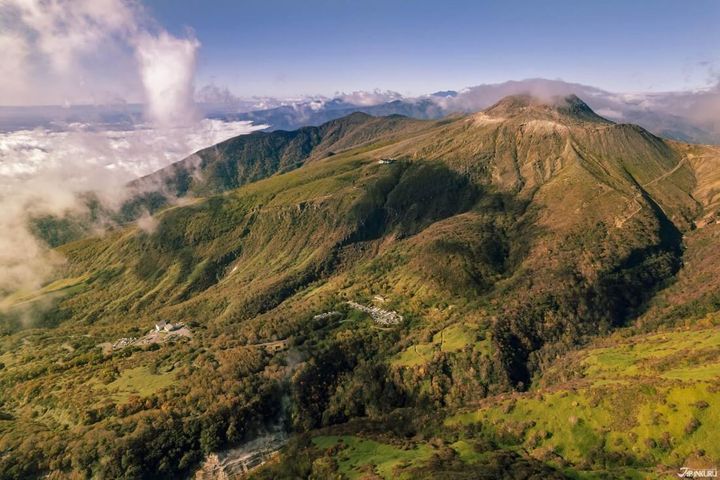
[364, 98]
[42, 172]
[692, 116]
[88, 52]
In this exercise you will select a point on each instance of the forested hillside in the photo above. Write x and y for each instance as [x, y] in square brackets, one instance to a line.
[507, 294]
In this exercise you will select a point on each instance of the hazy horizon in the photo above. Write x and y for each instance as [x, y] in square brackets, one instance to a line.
[156, 53]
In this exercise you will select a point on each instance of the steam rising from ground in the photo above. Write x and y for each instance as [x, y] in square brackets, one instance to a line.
[167, 65]
[88, 51]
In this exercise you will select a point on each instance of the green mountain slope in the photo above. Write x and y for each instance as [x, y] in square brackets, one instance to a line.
[506, 240]
[248, 158]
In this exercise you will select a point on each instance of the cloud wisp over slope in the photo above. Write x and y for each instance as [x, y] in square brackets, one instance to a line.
[82, 50]
[692, 116]
[42, 172]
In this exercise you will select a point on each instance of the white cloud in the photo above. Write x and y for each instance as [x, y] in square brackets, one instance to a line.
[42, 171]
[167, 67]
[89, 51]
[147, 223]
[63, 30]
[609, 113]
[15, 51]
[84, 51]
[27, 154]
[366, 98]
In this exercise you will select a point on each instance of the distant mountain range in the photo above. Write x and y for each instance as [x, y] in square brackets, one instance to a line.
[685, 116]
[688, 116]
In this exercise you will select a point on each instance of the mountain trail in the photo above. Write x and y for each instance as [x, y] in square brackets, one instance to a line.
[621, 221]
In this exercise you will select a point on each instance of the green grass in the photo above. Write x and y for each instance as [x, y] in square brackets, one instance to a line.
[645, 415]
[414, 356]
[382, 457]
[454, 338]
[665, 354]
[63, 286]
[624, 421]
[138, 381]
[467, 452]
[451, 339]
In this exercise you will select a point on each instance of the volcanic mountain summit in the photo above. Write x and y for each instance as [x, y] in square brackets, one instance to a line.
[567, 108]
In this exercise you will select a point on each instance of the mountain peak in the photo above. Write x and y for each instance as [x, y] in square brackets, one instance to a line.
[569, 107]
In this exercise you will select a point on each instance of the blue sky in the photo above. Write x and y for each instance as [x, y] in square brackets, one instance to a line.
[288, 47]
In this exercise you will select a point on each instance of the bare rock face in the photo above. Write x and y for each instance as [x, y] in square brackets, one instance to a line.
[211, 469]
[238, 462]
[567, 108]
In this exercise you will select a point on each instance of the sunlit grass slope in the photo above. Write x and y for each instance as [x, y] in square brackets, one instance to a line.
[638, 401]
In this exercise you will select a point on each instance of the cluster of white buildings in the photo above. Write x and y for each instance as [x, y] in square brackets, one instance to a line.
[323, 316]
[382, 317]
[163, 326]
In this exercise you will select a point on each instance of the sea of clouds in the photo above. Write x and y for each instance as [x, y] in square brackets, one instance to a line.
[42, 172]
[87, 51]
